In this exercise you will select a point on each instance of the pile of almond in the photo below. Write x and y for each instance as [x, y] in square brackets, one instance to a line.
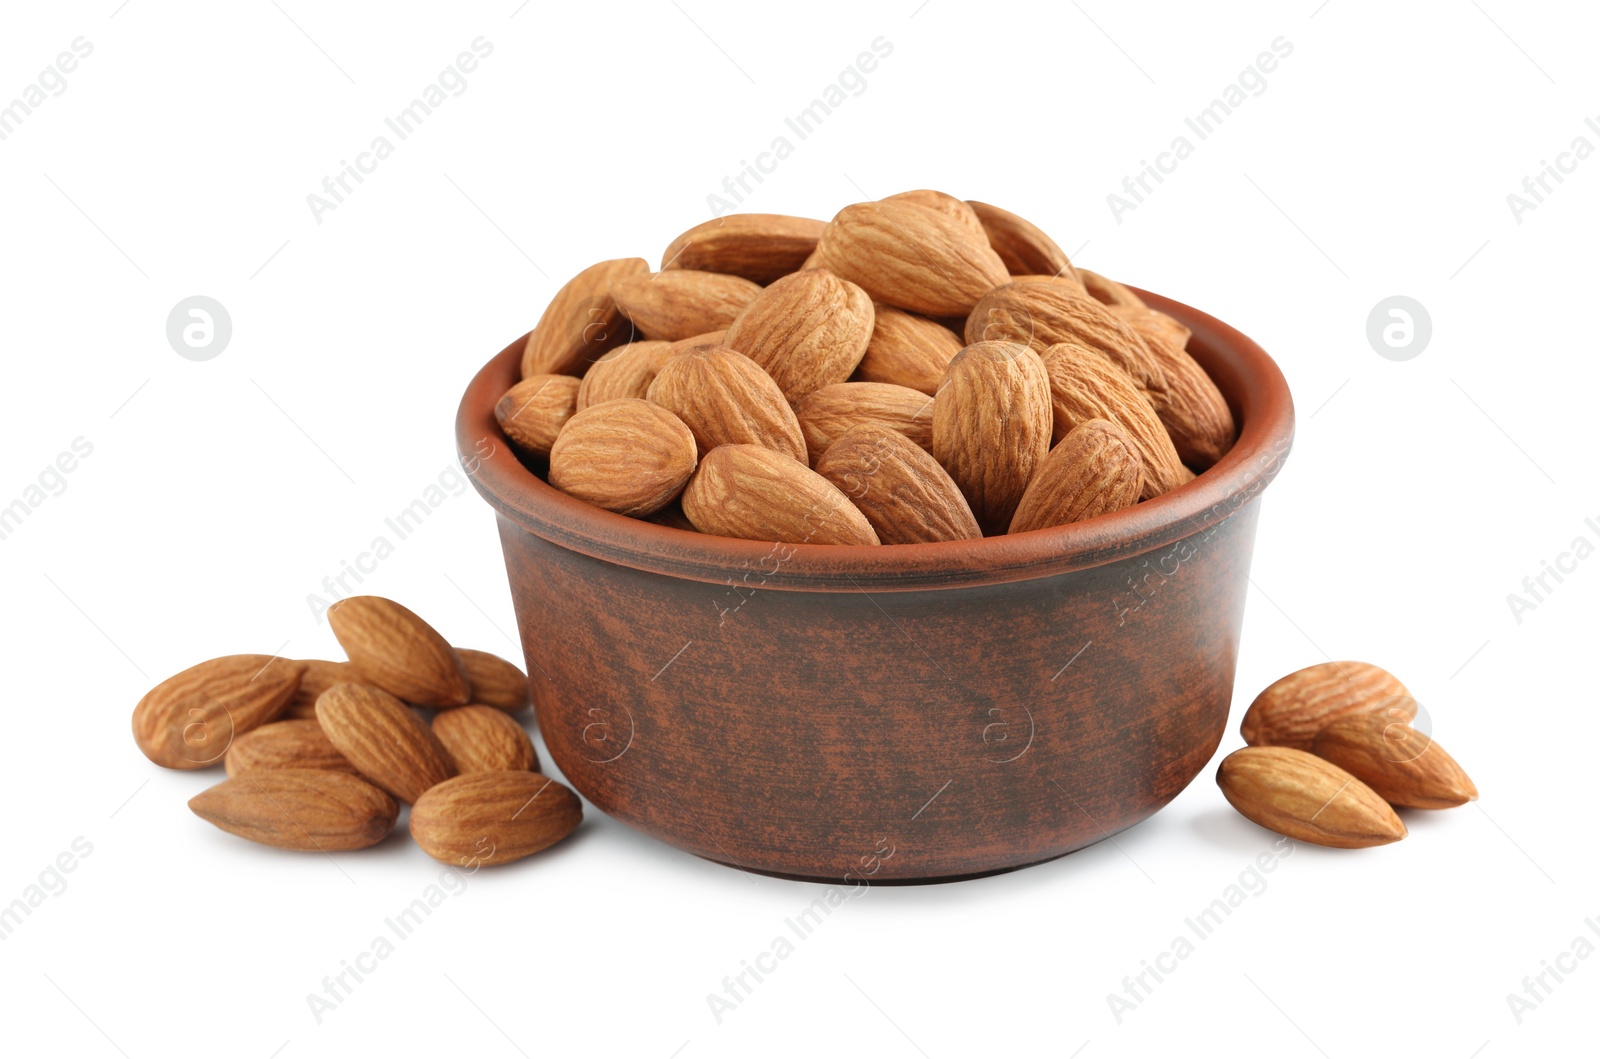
[917, 369]
[320, 754]
[1331, 753]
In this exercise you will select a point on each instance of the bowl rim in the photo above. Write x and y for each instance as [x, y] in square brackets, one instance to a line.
[1250, 380]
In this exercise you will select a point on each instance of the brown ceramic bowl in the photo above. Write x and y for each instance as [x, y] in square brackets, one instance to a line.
[894, 713]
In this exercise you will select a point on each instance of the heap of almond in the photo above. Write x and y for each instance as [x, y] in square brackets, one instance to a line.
[320, 754]
[917, 369]
[1331, 752]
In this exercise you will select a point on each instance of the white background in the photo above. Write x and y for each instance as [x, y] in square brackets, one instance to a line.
[1376, 162]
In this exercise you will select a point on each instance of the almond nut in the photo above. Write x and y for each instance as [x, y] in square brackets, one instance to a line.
[901, 489]
[951, 207]
[383, 739]
[1085, 386]
[397, 651]
[682, 302]
[495, 682]
[754, 493]
[1043, 313]
[1293, 709]
[318, 676]
[827, 413]
[806, 330]
[1093, 470]
[581, 322]
[533, 411]
[1405, 766]
[1023, 248]
[1300, 795]
[907, 350]
[1190, 406]
[991, 427]
[489, 818]
[911, 257]
[626, 371]
[305, 809]
[758, 246]
[297, 744]
[627, 455]
[1108, 291]
[724, 398]
[484, 739]
[189, 720]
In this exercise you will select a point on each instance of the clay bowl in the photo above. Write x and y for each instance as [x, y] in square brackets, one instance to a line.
[907, 713]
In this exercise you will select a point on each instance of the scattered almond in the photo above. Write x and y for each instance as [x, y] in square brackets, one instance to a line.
[188, 720]
[383, 739]
[1405, 766]
[488, 818]
[397, 651]
[484, 739]
[1293, 709]
[318, 676]
[305, 809]
[1311, 800]
[295, 744]
[494, 681]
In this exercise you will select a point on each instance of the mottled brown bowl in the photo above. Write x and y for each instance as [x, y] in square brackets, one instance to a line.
[905, 713]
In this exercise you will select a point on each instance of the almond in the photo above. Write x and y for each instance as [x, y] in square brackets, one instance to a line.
[710, 338]
[754, 493]
[911, 257]
[907, 350]
[1023, 248]
[1085, 386]
[1300, 795]
[533, 411]
[1093, 470]
[397, 651]
[188, 720]
[1405, 766]
[1043, 313]
[758, 246]
[484, 739]
[1107, 291]
[724, 398]
[494, 681]
[1293, 709]
[318, 676]
[304, 809]
[991, 427]
[1190, 406]
[581, 322]
[488, 818]
[904, 493]
[951, 207]
[806, 330]
[626, 371]
[827, 413]
[383, 739]
[627, 455]
[300, 744]
[683, 302]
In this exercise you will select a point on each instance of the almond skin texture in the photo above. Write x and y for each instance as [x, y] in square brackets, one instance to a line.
[627, 456]
[1084, 386]
[806, 331]
[626, 371]
[991, 427]
[1022, 246]
[189, 720]
[1402, 764]
[710, 338]
[901, 489]
[581, 322]
[907, 350]
[1094, 470]
[829, 412]
[489, 818]
[1190, 406]
[682, 303]
[383, 739]
[951, 207]
[318, 676]
[911, 257]
[285, 745]
[533, 411]
[753, 493]
[724, 398]
[484, 739]
[495, 682]
[1043, 313]
[1108, 291]
[1293, 709]
[761, 247]
[1300, 795]
[315, 810]
[393, 649]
